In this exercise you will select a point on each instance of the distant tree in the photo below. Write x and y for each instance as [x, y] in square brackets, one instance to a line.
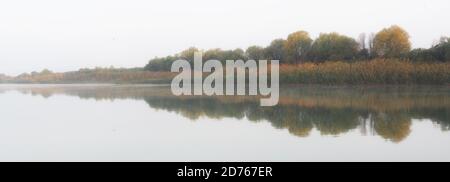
[276, 51]
[363, 51]
[213, 54]
[46, 71]
[422, 55]
[333, 46]
[363, 54]
[160, 64]
[236, 54]
[371, 51]
[255, 53]
[441, 51]
[23, 75]
[223, 55]
[4, 78]
[297, 45]
[392, 42]
[188, 54]
[362, 41]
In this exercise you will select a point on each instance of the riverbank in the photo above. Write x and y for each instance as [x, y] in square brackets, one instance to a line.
[367, 72]
[379, 71]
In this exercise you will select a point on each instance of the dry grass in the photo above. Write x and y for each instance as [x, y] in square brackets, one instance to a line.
[366, 72]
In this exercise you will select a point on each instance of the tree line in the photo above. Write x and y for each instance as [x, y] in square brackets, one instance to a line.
[331, 58]
[96, 75]
[389, 43]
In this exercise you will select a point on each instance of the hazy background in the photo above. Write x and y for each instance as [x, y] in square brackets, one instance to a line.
[68, 35]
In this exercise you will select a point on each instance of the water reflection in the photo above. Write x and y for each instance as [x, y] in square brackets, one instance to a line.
[384, 111]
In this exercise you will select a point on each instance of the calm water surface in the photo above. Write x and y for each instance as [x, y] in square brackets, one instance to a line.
[147, 123]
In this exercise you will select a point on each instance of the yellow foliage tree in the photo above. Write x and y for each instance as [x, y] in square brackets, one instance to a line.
[392, 42]
[296, 45]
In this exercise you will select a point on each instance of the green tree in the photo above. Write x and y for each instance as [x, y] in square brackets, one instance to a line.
[333, 46]
[188, 54]
[236, 54]
[392, 42]
[255, 53]
[160, 64]
[422, 55]
[441, 51]
[297, 45]
[276, 51]
[46, 72]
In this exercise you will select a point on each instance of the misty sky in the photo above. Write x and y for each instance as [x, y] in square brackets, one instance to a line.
[68, 35]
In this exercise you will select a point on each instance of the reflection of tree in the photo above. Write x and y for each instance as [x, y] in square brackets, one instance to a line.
[331, 110]
[194, 108]
[392, 126]
[334, 121]
[299, 121]
[440, 116]
[282, 117]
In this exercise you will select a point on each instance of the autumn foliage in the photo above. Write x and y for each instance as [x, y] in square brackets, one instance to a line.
[379, 71]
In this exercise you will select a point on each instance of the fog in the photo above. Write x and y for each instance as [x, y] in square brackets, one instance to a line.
[68, 35]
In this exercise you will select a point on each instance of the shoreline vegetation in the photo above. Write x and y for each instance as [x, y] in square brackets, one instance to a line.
[333, 59]
[380, 71]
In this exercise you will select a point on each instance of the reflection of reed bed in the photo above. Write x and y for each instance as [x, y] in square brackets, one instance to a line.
[384, 99]
[388, 111]
[112, 92]
[372, 102]
[97, 92]
[371, 98]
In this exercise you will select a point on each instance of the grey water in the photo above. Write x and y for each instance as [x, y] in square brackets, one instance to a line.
[148, 123]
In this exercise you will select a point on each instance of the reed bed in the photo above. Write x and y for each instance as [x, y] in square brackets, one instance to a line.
[379, 71]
